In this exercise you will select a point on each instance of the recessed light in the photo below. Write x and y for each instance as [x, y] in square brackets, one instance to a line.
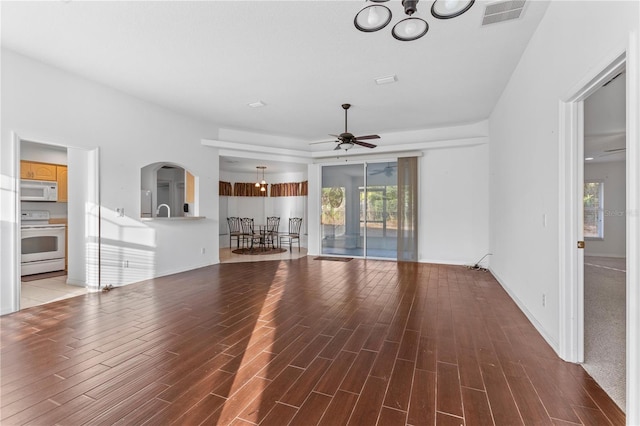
[588, 159]
[257, 104]
[386, 80]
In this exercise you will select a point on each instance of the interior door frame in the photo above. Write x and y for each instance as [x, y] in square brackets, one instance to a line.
[571, 167]
[92, 217]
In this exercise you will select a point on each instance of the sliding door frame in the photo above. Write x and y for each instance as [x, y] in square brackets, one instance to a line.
[364, 164]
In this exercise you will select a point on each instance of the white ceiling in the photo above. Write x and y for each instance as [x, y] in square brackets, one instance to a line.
[605, 122]
[209, 59]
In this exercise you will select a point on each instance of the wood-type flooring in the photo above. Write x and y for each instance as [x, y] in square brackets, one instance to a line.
[298, 342]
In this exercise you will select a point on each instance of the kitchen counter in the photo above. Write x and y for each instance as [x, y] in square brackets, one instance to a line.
[171, 219]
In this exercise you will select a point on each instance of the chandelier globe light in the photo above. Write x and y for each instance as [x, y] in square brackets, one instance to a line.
[262, 184]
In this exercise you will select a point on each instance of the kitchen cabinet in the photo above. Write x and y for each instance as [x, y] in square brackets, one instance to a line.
[37, 171]
[191, 189]
[61, 173]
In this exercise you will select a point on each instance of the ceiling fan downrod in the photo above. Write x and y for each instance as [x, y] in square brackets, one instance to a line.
[346, 107]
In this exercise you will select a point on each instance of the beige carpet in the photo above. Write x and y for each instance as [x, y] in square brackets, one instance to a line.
[605, 324]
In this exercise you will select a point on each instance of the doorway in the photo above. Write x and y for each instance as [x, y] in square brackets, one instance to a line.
[604, 230]
[83, 220]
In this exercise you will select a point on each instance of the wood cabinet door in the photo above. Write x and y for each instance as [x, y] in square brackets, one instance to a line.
[191, 189]
[25, 170]
[43, 171]
[61, 173]
[37, 171]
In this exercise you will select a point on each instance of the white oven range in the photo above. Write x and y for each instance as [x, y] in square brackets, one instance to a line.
[43, 244]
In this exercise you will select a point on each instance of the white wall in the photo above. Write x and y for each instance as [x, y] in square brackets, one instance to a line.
[572, 39]
[454, 205]
[43, 104]
[613, 176]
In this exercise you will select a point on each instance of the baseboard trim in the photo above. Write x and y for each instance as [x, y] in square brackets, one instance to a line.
[446, 262]
[554, 344]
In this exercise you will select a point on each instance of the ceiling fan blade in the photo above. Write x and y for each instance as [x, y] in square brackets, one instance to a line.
[365, 144]
[367, 137]
[611, 153]
[377, 172]
[337, 147]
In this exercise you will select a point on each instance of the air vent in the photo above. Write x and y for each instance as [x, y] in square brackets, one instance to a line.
[502, 11]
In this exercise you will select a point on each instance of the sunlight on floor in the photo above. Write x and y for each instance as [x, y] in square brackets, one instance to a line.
[47, 290]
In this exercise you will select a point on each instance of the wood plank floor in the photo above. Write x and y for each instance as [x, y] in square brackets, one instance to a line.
[298, 342]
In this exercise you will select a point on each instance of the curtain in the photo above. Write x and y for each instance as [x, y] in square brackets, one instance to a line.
[408, 209]
[224, 188]
[291, 189]
[248, 189]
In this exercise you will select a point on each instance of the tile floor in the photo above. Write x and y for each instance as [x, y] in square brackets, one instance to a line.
[47, 290]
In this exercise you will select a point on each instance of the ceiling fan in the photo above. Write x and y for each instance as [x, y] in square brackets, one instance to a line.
[346, 140]
[613, 151]
[388, 170]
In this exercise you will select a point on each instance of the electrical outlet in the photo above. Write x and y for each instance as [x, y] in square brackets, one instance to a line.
[544, 300]
[125, 263]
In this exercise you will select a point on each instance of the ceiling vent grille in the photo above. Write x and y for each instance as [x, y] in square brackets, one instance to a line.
[502, 11]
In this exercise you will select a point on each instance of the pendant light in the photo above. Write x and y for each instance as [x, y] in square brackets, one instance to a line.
[262, 184]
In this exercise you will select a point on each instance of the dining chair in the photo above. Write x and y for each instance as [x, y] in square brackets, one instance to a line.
[271, 233]
[294, 232]
[235, 230]
[248, 233]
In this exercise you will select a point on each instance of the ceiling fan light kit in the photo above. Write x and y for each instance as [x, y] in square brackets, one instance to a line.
[376, 16]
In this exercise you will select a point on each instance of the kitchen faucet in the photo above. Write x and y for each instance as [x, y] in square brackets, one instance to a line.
[168, 209]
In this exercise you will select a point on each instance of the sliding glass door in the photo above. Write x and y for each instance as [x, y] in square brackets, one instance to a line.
[379, 210]
[359, 210]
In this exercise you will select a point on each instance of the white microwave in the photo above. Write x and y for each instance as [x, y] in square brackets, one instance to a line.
[38, 190]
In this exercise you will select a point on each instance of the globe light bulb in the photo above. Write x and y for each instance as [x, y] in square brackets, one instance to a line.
[373, 18]
[450, 4]
[410, 28]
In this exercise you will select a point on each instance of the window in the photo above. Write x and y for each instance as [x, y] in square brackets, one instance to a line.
[593, 209]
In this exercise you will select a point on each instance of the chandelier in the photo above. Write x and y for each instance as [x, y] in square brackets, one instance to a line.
[262, 184]
[376, 16]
